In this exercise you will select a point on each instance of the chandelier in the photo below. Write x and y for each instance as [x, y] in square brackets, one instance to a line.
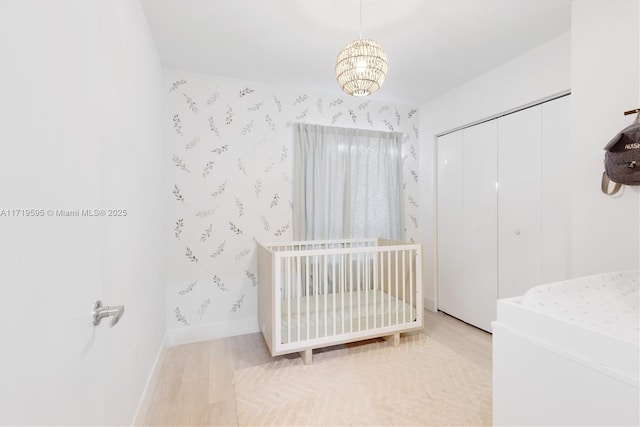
[362, 66]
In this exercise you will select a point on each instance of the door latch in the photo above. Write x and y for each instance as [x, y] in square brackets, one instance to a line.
[100, 312]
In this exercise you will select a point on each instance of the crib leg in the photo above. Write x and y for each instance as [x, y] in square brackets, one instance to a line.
[395, 339]
[307, 356]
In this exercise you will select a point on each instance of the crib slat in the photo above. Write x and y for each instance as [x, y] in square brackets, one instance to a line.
[316, 293]
[306, 293]
[389, 285]
[350, 292]
[299, 293]
[375, 288]
[288, 294]
[358, 288]
[342, 288]
[397, 295]
[411, 291]
[325, 275]
[381, 289]
[367, 276]
[404, 287]
[333, 268]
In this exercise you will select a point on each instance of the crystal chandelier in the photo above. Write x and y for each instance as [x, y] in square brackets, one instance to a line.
[362, 66]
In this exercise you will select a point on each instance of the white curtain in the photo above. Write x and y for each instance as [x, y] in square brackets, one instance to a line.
[347, 183]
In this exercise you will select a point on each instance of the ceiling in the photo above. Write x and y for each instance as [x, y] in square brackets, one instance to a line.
[432, 45]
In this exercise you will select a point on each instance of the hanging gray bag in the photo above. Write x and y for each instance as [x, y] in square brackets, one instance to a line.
[622, 159]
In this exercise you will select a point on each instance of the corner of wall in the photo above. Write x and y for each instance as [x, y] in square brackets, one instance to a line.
[430, 304]
[146, 398]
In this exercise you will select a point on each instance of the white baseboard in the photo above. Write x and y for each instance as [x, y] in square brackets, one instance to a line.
[152, 380]
[190, 334]
[430, 304]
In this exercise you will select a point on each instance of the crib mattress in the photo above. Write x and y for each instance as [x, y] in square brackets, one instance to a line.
[319, 316]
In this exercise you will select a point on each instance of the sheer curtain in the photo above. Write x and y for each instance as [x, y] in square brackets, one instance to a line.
[347, 183]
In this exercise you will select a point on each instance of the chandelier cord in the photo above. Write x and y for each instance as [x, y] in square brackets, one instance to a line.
[360, 18]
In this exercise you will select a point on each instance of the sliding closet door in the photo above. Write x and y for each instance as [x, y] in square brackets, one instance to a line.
[503, 210]
[450, 220]
[556, 190]
[519, 202]
[480, 229]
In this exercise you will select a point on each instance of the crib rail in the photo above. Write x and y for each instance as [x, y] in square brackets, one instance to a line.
[320, 293]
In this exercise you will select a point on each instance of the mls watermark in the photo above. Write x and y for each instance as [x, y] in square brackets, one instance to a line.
[35, 213]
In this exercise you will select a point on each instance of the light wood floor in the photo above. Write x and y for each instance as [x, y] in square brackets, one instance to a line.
[195, 387]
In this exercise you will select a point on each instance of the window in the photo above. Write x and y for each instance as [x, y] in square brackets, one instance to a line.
[347, 183]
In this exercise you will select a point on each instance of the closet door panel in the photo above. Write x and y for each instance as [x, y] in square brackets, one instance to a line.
[480, 246]
[519, 202]
[450, 224]
[556, 190]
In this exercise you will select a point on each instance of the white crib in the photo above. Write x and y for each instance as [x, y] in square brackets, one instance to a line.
[314, 294]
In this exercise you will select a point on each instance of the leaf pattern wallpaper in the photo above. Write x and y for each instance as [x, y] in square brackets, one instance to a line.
[228, 146]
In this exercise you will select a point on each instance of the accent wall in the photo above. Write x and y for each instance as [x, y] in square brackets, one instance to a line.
[228, 146]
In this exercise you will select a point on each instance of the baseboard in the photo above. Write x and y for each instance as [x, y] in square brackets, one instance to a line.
[190, 334]
[430, 304]
[152, 380]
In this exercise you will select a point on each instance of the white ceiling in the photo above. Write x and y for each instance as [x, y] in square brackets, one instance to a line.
[432, 45]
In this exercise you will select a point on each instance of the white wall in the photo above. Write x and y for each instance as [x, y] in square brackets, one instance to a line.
[539, 73]
[605, 82]
[81, 109]
[228, 145]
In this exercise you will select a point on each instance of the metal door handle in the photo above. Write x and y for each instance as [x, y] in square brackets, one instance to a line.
[100, 312]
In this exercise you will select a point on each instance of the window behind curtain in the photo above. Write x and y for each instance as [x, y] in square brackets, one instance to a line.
[347, 183]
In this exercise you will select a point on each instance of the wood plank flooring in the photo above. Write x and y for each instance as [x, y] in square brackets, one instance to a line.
[194, 387]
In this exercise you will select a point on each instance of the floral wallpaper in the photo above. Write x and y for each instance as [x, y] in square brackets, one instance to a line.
[228, 151]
